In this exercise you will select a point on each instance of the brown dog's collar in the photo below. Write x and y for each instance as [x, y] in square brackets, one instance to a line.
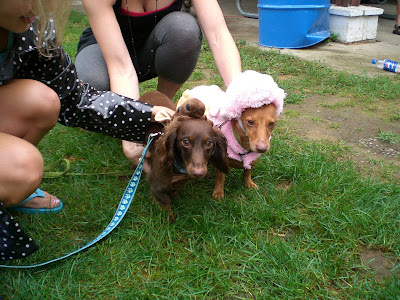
[222, 124]
[241, 125]
[179, 168]
[235, 135]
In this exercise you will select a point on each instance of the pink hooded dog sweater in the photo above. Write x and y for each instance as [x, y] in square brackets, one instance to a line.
[249, 89]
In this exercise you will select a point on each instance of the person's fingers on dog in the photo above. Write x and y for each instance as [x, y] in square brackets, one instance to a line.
[157, 109]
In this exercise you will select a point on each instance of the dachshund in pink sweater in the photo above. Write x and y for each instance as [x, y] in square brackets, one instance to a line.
[247, 114]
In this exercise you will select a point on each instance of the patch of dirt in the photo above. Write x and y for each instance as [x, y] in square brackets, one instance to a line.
[381, 264]
[335, 119]
[284, 185]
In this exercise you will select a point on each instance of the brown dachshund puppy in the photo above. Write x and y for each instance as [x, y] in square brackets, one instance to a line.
[184, 149]
[258, 124]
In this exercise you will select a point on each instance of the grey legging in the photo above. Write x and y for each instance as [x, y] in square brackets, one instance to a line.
[176, 44]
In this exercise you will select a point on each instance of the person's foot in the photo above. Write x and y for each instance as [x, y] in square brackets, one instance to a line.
[39, 203]
[133, 153]
[49, 201]
[396, 29]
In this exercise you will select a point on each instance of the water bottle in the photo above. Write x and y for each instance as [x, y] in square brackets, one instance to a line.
[388, 65]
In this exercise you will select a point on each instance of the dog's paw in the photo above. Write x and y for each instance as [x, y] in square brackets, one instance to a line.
[247, 181]
[193, 108]
[218, 195]
[171, 218]
[251, 184]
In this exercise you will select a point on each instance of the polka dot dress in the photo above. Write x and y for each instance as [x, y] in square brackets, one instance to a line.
[81, 105]
[14, 243]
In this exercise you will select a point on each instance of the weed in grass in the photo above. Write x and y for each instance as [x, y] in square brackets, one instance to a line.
[334, 125]
[395, 116]
[294, 98]
[389, 137]
[291, 113]
[336, 105]
[334, 37]
[319, 120]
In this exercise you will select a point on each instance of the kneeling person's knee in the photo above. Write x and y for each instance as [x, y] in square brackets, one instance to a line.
[48, 108]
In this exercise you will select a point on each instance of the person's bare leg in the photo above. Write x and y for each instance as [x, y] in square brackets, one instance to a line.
[21, 171]
[28, 110]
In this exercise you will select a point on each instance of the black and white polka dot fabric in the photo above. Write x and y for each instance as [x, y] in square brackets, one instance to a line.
[81, 105]
[14, 243]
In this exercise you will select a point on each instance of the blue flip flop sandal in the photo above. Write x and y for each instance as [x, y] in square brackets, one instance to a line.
[27, 210]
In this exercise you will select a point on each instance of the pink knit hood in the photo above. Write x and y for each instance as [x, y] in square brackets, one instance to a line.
[249, 89]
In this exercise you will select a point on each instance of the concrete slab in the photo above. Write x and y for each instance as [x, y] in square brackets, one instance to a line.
[354, 58]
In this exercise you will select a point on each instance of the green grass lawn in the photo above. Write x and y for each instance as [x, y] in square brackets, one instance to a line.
[302, 235]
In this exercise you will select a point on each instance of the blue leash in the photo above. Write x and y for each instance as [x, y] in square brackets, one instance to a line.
[123, 206]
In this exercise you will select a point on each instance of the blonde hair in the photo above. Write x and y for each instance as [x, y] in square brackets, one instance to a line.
[50, 24]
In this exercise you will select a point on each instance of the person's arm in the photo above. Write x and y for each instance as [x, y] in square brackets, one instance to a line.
[123, 78]
[223, 47]
[122, 73]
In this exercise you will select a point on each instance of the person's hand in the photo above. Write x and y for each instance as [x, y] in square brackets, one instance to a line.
[133, 152]
[162, 112]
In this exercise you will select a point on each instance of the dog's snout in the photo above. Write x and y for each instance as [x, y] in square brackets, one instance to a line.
[198, 173]
[197, 170]
[262, 147]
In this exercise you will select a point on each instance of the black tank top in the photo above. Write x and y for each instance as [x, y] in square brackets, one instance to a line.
[141, 26]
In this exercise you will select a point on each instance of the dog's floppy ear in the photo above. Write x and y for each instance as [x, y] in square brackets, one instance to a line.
[170, 141]
[165, 146]
[219, 159]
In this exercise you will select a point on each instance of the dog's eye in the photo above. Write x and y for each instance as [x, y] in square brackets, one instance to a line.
[185, 142]
[250, 122]
[271, 124]
[209, 143]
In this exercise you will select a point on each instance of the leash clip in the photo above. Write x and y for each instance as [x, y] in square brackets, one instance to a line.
[153, 135]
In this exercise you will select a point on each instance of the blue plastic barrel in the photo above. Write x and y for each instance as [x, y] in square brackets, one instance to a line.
[293, 23]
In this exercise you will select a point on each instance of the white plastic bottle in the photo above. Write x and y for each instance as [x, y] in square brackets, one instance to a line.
[388, 65]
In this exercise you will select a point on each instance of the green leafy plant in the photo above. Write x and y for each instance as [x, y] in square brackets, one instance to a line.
[334, 37]
[389, 136]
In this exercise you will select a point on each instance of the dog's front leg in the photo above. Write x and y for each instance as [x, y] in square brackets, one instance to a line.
[167, 207]
[218, 191]
[247, 179]
[164, 201]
